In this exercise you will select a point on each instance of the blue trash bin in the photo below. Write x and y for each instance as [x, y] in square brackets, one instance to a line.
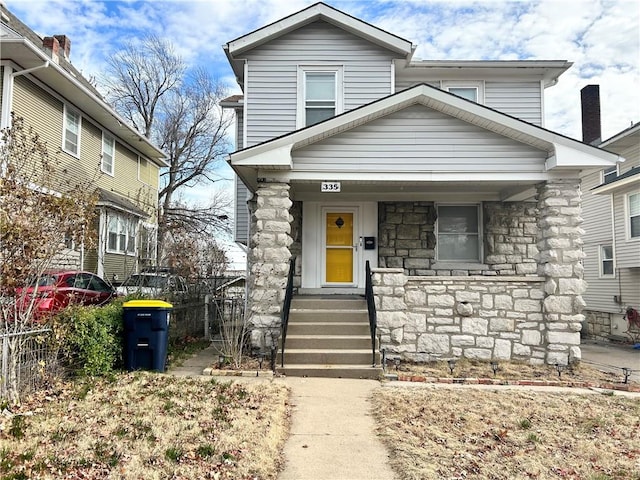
[146, 331]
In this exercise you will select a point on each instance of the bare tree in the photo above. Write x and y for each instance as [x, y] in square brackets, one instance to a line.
[177, 108]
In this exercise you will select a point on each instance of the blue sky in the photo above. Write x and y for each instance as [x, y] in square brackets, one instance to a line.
[601, 38]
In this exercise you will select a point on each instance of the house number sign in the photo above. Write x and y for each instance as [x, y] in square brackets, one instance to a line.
[330, 187]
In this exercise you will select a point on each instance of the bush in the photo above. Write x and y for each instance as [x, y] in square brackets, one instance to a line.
[90, 339]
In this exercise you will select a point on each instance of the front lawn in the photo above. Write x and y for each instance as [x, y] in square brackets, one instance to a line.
[436, 433]
[147, 426]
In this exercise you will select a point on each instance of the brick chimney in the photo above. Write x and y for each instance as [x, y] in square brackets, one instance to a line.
[52, 47]
[590, 101]
[65, 45]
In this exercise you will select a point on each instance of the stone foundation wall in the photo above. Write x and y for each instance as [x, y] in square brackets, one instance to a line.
[598, 324]
[484, 318]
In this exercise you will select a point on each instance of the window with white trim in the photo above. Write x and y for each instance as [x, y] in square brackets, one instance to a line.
[71, 131]
[108, 153]
[470, 90]
[121, 233]
[458, 237]
[633, 207]
[147, 244]
[319, 94]
[609, 174]
[606, 261]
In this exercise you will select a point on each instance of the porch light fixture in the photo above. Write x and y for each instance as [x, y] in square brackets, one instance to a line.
[627, 373]
[452, 364]
[495, 367]
[560, 368]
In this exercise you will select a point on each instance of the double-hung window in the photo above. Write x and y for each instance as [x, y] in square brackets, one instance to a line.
[606, 261]
[633, 208]
[121, 233]
[71, 134]
[459, 233]
[319, 94]
[108, 153]
[470, 90]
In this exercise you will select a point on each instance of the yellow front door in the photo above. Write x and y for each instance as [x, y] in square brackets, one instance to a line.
[339, 247]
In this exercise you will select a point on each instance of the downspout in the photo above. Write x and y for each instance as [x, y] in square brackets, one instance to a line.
[32, 69]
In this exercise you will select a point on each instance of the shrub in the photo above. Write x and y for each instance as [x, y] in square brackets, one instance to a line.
[90, 339]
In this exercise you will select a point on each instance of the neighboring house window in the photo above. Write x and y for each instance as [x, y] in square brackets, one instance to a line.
[633, 201]
[319, 94]
[473, 91]
[609, 174]
[71, 134]
[108, 153]
[459, 233]
[147, 244]
[121, 233]
[606, 260]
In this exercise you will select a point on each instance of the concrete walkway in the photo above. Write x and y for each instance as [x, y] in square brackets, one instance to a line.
[332, 432]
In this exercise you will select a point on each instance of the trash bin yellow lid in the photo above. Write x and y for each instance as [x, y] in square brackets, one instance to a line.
[146, 304]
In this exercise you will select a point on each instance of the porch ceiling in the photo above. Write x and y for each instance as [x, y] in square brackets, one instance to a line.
[309, 190]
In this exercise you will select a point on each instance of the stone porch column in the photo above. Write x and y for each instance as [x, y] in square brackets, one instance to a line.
[269, 261]
[559, 262]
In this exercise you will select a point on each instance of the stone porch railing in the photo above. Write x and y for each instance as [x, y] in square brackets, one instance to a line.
[476, 317]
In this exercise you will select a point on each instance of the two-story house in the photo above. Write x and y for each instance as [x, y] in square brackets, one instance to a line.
[439, 174]
[39, 84]
[611, 211]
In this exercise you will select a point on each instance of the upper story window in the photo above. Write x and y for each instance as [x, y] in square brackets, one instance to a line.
[146, 171]
[459, 233]
[471, 90]
[609, 174]
[633, 207]
[121, 233]
[71, 133]
[606, 261]
[319, 94]
[108, 153]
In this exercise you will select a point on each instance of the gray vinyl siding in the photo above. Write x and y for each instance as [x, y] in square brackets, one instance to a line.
[271, 83]
[239, 129]
[630, 287]
[419, 139]
[522, 100]
[632, 158]
[241, 213]
[598, 231]
[627, 250]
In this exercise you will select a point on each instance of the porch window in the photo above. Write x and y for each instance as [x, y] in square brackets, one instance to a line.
[458, 233]
[71, 132]
[473, 91]
[319, 94]
[108, 153]
[121, 233]
[633, 208]
[606, 261]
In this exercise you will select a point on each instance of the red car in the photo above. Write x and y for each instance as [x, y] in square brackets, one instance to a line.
[54, 290]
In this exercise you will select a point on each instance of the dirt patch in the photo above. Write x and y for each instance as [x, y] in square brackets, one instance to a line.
[437, 433]
[144, 425]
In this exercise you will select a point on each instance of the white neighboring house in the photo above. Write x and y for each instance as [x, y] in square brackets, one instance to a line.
[611, 212]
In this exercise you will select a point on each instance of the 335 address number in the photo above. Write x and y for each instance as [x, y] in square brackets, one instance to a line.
[330, 187]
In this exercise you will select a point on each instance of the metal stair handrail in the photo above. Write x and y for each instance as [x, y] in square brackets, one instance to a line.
[286, 307]
[371, 307]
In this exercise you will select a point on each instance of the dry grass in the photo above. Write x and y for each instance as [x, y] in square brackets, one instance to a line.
[441, 433]
[465, 368]
[148, 426]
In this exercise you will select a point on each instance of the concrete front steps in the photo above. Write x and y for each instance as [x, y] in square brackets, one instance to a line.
[328, 336]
